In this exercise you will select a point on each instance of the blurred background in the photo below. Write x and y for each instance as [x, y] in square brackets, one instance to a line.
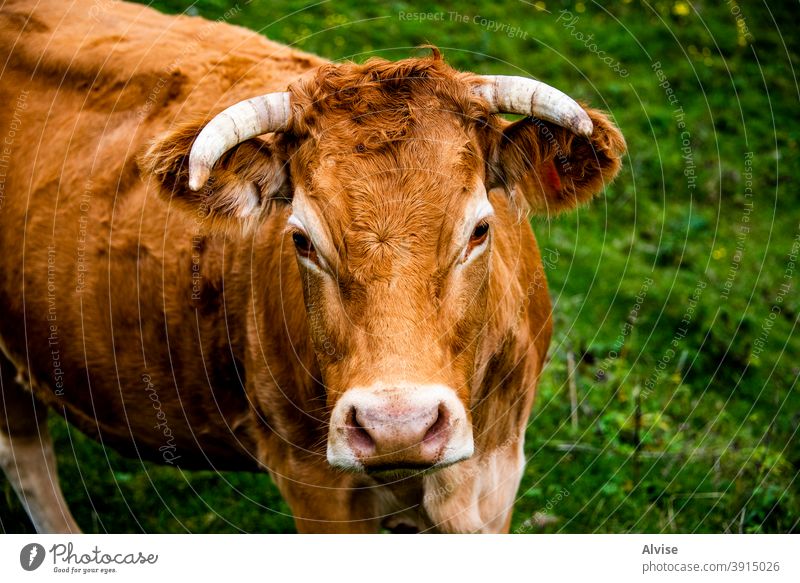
[671, 401]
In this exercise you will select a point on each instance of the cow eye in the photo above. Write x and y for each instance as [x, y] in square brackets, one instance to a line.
[304, 246]
[479, 235]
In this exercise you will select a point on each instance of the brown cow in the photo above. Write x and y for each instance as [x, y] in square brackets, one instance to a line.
[333, 281]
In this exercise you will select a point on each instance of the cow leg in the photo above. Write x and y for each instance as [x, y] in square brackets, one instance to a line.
[27, 457]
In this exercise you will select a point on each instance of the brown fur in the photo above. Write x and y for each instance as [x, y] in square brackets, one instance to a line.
[248, 358]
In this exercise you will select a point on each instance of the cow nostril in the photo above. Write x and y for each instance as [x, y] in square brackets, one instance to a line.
[360, 439]
[440, 427]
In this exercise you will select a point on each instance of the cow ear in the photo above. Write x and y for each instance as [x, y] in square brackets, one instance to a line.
[243, 185]
[553, 169]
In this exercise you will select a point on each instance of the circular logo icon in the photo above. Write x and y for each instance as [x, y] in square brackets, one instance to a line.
[31, 556]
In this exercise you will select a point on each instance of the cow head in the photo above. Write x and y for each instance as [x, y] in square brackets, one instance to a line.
[387, 167]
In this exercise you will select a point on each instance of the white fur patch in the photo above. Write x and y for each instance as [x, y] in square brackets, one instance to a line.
[477, 209]
[305, 217]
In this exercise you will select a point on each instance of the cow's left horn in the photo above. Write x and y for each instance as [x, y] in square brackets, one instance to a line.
[508, 94]
[242, 121]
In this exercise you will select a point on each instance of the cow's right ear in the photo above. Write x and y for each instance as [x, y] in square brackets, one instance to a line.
[245, 182]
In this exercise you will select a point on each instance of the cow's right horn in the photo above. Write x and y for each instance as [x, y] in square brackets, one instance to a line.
[242, 121]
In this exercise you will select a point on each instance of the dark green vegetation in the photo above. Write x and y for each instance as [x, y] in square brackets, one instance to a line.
[688, 405]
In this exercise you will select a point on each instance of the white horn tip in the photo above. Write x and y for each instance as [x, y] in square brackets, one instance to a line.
[198, 177]
[584, 126]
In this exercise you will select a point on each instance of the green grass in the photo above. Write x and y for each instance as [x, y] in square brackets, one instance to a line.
[680, 427]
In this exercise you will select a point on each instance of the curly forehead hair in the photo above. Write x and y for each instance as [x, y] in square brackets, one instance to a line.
[384, 95]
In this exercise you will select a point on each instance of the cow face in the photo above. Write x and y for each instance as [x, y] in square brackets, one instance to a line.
[387, 166]
[394, 241]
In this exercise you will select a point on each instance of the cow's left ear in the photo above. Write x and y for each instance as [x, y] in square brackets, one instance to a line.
[553, 169]
[243, 184]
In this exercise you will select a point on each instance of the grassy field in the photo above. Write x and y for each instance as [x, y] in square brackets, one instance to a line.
[675, 293]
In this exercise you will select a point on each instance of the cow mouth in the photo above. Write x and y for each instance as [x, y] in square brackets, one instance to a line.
[392, 472]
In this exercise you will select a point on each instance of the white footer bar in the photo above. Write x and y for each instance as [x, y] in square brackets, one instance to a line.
[335, 558]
